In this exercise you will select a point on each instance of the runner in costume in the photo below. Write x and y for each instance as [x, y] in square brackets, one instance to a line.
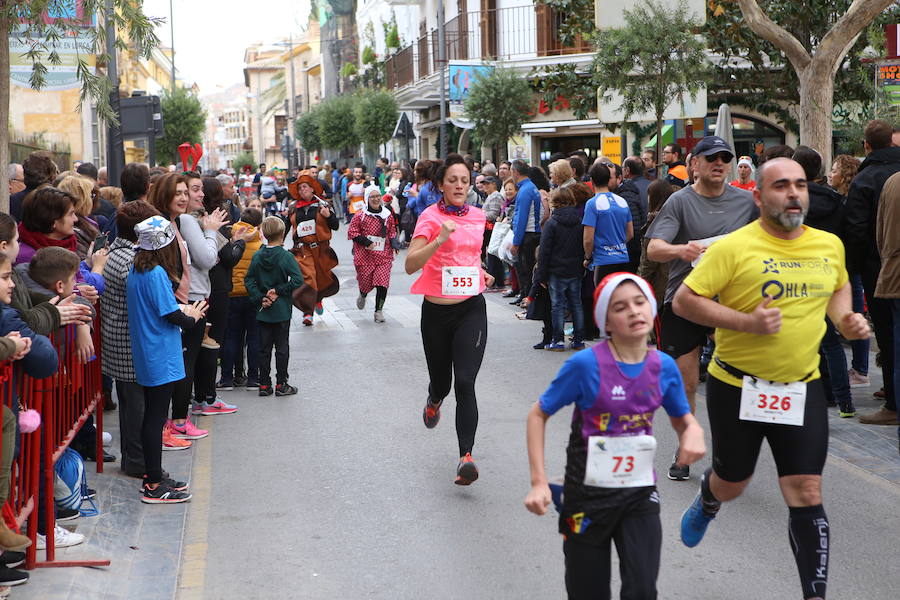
[374, 234]
[610, 492]
[312, 222]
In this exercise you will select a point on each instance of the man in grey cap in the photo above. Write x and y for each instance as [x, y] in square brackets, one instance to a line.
[690, 220]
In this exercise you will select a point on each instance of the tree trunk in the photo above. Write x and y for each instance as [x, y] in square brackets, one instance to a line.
[658, 146]
[816, 106]
[816, 70]
[4, 108]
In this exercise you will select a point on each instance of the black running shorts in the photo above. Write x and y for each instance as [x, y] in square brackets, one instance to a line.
[798, 450]
[678, 335]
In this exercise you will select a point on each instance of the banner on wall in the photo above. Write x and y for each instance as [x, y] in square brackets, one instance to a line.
[519, 147]
[889, 80]
[460, 79]
[63, 76]
[612, 148]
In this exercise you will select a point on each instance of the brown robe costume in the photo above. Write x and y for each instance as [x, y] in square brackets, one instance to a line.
[313, 253]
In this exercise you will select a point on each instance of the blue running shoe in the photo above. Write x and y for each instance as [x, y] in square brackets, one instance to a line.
[694, 522]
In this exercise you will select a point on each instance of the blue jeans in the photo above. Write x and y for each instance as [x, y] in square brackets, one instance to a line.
[242, 329]
[566, 291]
[837, 385]
[860, 361]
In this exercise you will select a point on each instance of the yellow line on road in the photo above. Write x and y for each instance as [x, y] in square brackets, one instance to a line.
[192, 575]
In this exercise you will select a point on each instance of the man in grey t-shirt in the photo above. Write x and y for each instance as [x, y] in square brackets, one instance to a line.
[680, 233]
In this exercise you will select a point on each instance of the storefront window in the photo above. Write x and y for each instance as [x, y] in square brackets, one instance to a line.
[569, 144]
[750, 135]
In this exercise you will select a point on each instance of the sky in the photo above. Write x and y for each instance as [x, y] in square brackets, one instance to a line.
[211, 35]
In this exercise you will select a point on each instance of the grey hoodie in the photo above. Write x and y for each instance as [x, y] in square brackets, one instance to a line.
[203, 249]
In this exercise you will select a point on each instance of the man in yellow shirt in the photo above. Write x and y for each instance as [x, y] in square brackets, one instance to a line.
[776, 279]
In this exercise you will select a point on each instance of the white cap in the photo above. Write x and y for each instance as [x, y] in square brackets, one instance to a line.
[604, 292]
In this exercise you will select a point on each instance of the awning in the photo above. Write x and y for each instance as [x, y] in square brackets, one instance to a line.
[668, 136]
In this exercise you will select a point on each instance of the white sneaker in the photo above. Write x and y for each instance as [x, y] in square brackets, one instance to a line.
[360, 302]
[379, 316]
[62, 537]
[857, 379]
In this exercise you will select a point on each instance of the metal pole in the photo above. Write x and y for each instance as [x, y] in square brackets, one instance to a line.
[293, 107]
[115, 151]
[442, 64]
[261, 152]
[172, 33]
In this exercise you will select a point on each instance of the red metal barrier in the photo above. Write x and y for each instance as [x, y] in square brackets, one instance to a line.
[65, 400]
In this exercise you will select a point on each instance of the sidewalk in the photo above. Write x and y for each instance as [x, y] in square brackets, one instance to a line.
[142, 541]
[869, 447]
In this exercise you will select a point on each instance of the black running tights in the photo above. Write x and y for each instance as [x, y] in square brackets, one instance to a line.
[454, 337]
[156, 409]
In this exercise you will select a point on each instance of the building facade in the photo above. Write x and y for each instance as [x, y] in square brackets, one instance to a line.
[227, 133]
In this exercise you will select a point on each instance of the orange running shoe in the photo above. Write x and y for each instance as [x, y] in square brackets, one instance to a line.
[431, 413]
[170, 442]
[466, 471]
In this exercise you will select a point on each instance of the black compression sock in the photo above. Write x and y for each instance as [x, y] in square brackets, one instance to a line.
[711, 505]
[808, 532]
[380, 296]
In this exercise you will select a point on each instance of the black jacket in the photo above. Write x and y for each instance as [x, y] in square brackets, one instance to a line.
[861, 208]
[561, 251]
[826, 209]
[632, 194]
[229, 255]
[15, 203]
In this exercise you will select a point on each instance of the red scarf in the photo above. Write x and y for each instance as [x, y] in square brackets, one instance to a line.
[38, 240]
[301, 203]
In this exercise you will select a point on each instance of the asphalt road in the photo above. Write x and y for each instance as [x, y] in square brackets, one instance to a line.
[341, 492]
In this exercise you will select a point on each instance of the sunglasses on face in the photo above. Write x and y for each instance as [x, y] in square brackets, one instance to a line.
[711, 158]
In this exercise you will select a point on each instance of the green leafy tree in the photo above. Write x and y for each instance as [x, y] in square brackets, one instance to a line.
[42, 25]
[499, 104]
[815, 44]
[750, 71]
[244, 159]
[652, 61]
[184, 120]
[375, 116]
[337, 124]
[307, 131]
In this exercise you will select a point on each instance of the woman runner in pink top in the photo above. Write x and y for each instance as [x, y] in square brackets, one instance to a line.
[446, 247]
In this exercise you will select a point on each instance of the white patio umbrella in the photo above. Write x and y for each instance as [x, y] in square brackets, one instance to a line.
[725, 130]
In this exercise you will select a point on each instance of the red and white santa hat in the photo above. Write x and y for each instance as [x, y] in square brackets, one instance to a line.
[604, 290]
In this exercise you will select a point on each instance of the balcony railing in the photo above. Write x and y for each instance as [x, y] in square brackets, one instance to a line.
[520, 32]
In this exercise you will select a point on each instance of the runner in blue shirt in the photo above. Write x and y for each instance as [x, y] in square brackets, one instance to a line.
[610, 492]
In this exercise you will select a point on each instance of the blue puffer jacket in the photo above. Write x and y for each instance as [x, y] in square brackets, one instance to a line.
[42, 360]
